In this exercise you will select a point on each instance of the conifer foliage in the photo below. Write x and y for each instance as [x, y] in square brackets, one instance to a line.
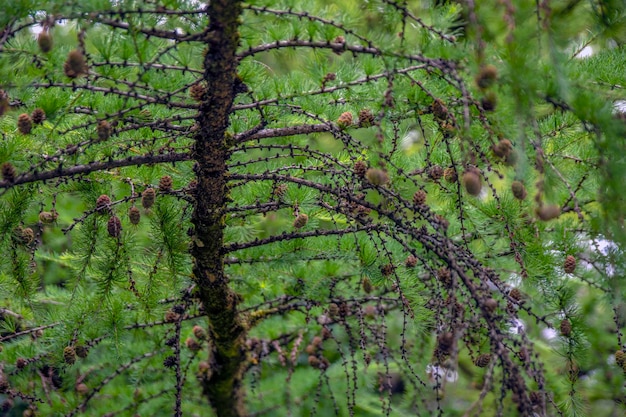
[321, 208]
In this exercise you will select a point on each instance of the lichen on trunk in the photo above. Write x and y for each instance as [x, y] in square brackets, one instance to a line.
[222, 384]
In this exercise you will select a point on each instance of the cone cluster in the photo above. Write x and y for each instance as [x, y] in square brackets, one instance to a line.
[518, 190]
[360, 168]
[69, 355]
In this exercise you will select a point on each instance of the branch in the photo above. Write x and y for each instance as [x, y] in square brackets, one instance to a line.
[110, 90]
[106, 380]
[284, 131]
[297, 235]
[61, 172]
[339, 47]
[29, 331]
[157, 33]
[326, 90]
[94, 166]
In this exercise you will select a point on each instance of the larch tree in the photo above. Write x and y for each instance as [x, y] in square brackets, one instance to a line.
[287, 208]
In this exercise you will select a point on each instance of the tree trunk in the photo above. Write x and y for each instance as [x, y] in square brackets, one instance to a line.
[222, 384]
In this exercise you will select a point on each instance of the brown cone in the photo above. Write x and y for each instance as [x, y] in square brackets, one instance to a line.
[471, 182]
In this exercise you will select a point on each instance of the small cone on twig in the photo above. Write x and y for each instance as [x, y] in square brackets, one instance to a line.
[134, 215]
[518, 190]
[360, 168]
[570, 264]
[482, 360]
[148, 197]
[546, 213]
[487, 76]
[472, 182]
[75, 65]
[44, 40]
[300, 221]
[38, 115]
[104, 130]
[24, 123]
[114, 227]
[344, 120]
[377, 176]
[8, 172]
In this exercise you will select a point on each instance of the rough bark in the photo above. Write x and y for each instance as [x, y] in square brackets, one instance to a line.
[222, 383]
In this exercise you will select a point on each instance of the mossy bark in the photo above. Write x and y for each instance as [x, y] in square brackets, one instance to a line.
[222, 385]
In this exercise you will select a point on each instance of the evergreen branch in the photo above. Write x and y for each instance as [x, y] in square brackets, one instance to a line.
[149, 159]
[263, 259]
[288, 151]
[154, 32]
[298, 235]
[69, 172]
[340, 47]
[120, 370]
[257, 314]
[136, 403]
[257, 208]
[282, 131]
[125, 94]
[158, 10]
[8, 312]
[150, 65]
[405, 12]
[448, 251]
[306, 15]
[28, 332]
[325, 89]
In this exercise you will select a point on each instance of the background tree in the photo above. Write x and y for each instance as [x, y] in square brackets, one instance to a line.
[385, 207]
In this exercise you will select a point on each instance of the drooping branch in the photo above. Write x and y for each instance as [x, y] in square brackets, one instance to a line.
[472, 273]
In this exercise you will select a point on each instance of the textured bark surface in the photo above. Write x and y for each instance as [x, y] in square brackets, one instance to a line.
[222, 384]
